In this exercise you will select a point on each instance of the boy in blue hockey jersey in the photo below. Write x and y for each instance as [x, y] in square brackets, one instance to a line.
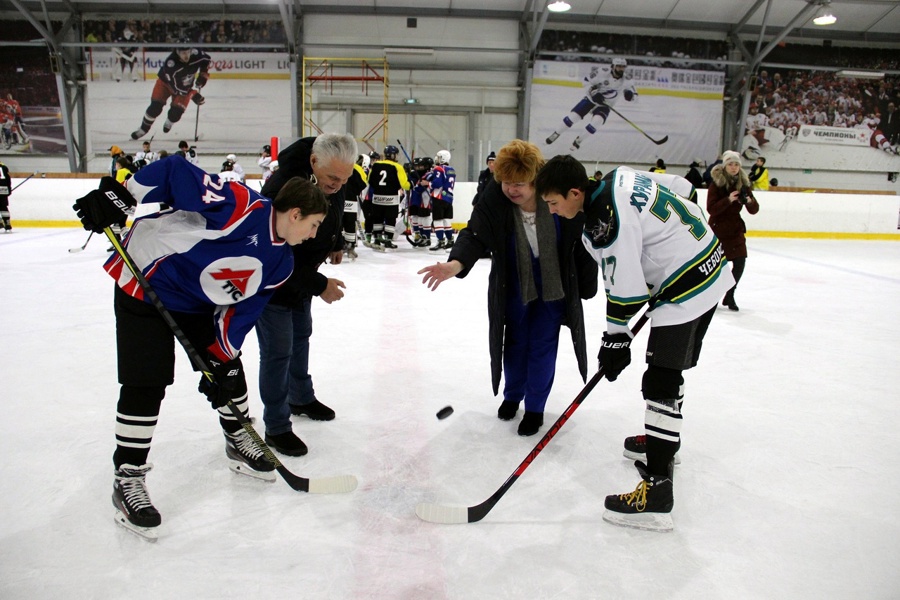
[214, 253]
[653, 247]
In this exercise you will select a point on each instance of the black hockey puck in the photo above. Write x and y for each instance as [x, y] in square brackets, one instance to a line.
[445, 412]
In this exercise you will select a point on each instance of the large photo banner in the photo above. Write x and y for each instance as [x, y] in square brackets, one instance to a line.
[590, 111]
[223, 102]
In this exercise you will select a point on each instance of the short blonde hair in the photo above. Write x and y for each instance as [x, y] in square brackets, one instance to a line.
[518, 162]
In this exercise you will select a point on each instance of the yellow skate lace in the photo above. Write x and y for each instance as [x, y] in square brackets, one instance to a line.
[638, 497]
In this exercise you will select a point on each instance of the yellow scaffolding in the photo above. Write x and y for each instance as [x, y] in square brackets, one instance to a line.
[329, 73]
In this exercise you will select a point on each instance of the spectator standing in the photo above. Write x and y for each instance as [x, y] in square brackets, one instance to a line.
[759, 174]
[729, 193]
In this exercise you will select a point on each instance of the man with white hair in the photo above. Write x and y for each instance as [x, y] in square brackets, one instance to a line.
[285, 326]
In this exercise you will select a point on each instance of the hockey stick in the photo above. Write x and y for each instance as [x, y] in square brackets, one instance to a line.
[327, 485]
[196, 123]
[439, 513]
[74, 250]
[18, 185]
[662, 140]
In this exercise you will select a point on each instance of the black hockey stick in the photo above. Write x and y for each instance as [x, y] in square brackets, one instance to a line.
[328, 485]
[197, 123]
[79, 249]
[18, 185]
[439, 513]
[662, 140]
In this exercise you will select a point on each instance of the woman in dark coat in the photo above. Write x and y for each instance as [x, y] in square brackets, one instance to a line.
[540, 272]
[730, 192]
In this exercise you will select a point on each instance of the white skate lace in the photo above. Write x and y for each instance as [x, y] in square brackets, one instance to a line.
[134, 487]
[246, 446]
[638, 497]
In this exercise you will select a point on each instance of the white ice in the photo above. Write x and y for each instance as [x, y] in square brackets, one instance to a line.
[788, 486]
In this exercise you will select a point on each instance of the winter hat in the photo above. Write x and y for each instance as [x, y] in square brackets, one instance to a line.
[491, 157]
[115, 151]
[730, 156]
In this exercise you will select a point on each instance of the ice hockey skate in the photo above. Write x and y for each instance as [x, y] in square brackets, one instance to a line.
[245, 457]
[636, 449]
[648, 507]
[350, 251]
[576, 144]
[441, 245]
[553, 137]
[138, 133]
[134, 510]
[388, 244]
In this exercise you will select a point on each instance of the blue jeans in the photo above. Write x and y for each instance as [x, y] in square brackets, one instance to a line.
[284, 378]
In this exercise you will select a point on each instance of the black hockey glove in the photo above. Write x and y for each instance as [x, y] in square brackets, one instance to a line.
[226, 377]
[197, 98]
[615, 354]
[108, 205]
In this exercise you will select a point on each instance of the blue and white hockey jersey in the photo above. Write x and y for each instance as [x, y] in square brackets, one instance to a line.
[211, 247]
[658, 249]
[441, 181]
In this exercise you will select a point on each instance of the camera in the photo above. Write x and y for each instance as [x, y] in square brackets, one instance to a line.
[744, 195]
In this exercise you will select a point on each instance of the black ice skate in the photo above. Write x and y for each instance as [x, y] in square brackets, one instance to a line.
[636, 449]
[648, 507]
[441, 245]
[388, 244]
[134, 510]
[553, 137]
[246, 458]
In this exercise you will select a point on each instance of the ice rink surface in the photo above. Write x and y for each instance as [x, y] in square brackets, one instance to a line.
[789, 485]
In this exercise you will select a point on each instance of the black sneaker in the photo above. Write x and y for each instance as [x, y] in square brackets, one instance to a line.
[246, 458]
[131, 499]
[507, 410]
[287, 443]
[531, 422]
[649, 506]
[315, 410]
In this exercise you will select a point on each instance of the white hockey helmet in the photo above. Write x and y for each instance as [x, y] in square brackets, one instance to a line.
[442, 157]
[231, 157]
[364, 161]
[619, 62]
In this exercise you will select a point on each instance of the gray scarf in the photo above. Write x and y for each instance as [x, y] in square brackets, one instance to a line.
[549, 257]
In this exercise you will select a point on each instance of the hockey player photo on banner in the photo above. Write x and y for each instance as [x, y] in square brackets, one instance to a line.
[625, 112]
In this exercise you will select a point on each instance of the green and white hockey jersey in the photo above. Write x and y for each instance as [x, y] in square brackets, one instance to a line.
[652, 246]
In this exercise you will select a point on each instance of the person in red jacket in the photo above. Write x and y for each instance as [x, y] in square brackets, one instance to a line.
[730, 191]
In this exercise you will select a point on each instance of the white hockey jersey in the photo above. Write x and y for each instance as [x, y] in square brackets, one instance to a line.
[658, 248]
[602, 88]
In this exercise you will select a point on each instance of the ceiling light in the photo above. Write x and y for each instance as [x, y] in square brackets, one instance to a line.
[824, 16]
[860, 74]
[559, 6]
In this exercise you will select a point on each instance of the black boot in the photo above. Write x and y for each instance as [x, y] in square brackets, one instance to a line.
[507, 410]
[531, 422]
[728, 301]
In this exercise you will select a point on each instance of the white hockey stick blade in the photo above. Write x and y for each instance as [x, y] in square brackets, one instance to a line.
[650, 521]
[333, 485]
[145, 533]
[439, 513]
[74, 250]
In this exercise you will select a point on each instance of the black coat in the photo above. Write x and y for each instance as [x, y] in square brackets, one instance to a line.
[490, 228]
[306, 281]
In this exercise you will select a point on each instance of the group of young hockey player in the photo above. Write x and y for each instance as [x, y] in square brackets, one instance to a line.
[383, 190]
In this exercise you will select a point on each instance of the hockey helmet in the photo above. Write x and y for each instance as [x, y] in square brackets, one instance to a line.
[363, 161]
[228, 166]
[391, 151]
[619, 62]
[427, 162]
[232, 158]
[374, 156]
[442, 157]
[267, 149]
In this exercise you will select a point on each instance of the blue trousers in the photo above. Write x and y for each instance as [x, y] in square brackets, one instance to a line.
[284, 378]
[529, 351]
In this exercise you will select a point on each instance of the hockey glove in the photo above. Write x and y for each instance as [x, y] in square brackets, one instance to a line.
[615, 354]
[630, 95]
[225, 379]
[198, 98]
[101, 208]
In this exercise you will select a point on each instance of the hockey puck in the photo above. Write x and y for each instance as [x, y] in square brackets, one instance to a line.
[444, 412]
